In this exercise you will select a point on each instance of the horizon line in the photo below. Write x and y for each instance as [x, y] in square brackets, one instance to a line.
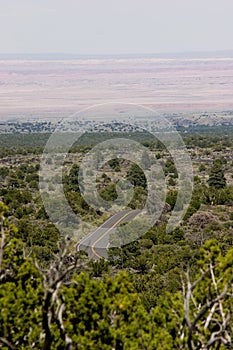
[85, 55]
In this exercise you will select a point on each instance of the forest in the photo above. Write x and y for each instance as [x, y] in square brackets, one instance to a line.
[162, 291]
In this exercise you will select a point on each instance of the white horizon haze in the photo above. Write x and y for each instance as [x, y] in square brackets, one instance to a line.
[86, 27]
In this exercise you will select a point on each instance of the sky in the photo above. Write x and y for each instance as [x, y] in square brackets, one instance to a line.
[115, 26]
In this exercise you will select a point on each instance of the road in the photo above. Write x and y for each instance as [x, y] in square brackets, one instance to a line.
[96, 243]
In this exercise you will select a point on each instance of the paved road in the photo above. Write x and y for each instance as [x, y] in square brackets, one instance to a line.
[96, 243]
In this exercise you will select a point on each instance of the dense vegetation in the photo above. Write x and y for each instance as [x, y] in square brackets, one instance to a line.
[163, 291]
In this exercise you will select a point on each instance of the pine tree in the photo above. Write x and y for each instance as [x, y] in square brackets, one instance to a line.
[216, 177]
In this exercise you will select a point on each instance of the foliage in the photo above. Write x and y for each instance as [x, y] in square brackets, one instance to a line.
[162, 291]
[136, 176]
[217, 178]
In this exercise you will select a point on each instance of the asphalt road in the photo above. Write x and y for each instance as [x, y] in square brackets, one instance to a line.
[96, 243]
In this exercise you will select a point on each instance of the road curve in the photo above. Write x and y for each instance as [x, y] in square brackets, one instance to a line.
[96, 243]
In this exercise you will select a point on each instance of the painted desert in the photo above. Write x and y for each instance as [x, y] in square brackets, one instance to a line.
[47, 88]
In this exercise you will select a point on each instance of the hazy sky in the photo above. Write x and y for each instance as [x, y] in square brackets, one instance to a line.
[115, 26]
